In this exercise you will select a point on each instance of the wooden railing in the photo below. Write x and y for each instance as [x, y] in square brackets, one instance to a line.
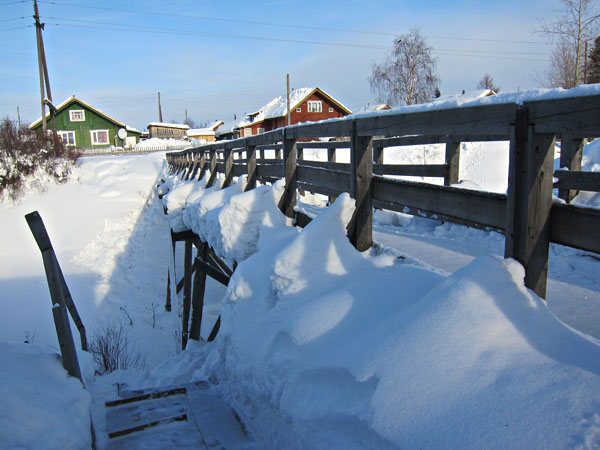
[527, 215]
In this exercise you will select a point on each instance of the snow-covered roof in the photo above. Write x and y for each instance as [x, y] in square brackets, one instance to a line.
[200, 132]
[179, 126]
[278, 106]
[465, 96]
[74, 99]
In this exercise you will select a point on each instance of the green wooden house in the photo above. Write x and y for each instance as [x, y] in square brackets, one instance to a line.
[81, 125]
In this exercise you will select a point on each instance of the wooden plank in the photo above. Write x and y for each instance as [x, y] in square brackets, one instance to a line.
[334, 180]
[485, 208]
[575, 115]
[269, 170]
[288, 199]
[215, 330]
[413, 170]
[481, 119]
[65, 341]
[212, 272]
[213, 168]
[577, 180]
[239, 169]
[331, 160]
[339, 127]
[530, 201]
[327, 145]
[426, 139]
[270, 137]
[361, 157]
[146, 396]
[576, 227]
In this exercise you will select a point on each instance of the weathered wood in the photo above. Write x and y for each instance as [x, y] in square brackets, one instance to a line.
[187, 293]
[452, 162]
[426, 139]
[331, 159]
[328, 144]
[571, 152]
[288, 199]
[530, 201]
[485, 208]
[577, 181]
[361, 157]
[335, 181]
[213, 168]
[251, 165]
[215, 330]
[198, 294]
[65, 341]
[269, 170]
[412, 170]
[219, 262]
[340, 127]
[228, 169]
[211, 271]
[577, 116]
[40, 234]
[481, 119]
[576, 227]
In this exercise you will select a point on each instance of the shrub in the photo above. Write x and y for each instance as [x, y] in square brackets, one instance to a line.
[111, 350]
[23, 152]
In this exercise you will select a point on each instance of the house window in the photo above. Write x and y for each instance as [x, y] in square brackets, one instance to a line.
[247, 131]
[68, 137]
[298, 109]
[315, 106]
[330, 109]
[261, 130]
[77, 115]
[99, 137]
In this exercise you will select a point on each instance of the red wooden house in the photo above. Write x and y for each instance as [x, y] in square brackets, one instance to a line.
[306, 105]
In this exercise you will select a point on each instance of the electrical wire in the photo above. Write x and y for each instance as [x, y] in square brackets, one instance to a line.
[306, 27]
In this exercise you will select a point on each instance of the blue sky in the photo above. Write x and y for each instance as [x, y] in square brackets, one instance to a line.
[220, 58]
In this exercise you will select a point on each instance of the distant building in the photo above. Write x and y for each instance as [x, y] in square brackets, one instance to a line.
[206, 134]
[306, 105]
[81, 125]
[464, 96]
[167, 130]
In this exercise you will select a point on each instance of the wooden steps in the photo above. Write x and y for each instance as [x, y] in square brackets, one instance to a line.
[191, 416]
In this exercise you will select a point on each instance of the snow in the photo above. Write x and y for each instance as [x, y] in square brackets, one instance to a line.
[428, 340]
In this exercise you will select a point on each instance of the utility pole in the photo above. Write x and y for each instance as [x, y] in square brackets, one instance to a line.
[288, 98]
[43, 69]
[19, 117]
[185, 117]
[159, 109]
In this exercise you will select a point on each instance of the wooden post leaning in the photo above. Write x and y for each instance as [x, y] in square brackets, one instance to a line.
[58, 295]
[361, 164]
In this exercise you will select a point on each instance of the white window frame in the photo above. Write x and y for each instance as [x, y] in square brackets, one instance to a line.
[67, 133]
[247, 132]
[298, 109]
[94, 137]
[315, 106]
[73, 112]
[260, 131]
[330, 109]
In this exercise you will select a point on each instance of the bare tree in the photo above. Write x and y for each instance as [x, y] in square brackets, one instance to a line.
[573, 26]
[487, 82]
[408, 73]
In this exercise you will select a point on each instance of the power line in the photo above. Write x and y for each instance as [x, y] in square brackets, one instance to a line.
[306, 27]
[14, 18]
[17, 28]
[151, 29]
[13, 3]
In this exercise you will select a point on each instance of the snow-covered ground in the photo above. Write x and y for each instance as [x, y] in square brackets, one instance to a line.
[429, 340]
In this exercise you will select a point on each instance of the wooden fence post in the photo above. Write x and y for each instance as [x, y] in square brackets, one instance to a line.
[213, 168]
[251, 165]
[288, 199]
[529, 201]
[194, 170]
[331, 158]
[187, 291]
[228, 156]
[452, 162]
[198, 294]
[202, 165]
[361, 163]
[571, 152]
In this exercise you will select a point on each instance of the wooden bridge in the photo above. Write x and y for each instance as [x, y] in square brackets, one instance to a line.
[527, 214]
